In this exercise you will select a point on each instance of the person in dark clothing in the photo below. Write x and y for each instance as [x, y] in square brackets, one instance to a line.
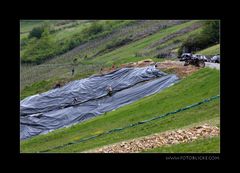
[58, 85]
[101, 71]
[75, 100]
[110, 91]
[113, 66]
[72, 71]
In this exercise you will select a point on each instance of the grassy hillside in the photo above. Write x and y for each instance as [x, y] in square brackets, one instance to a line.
[27, 26]
[127, 53]
[123, 54]
[200, 85]
[97, 44]
[54, 41]
[213, 50]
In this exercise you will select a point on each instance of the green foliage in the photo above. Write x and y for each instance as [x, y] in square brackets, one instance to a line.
[194, 43]
[129, 52]
[35, 49]
[27, 25]
[213, 50]
[212, 31]
[208, 37]
[94, 29]
[36, 88]
[39, 50]
[118, 42]
[36, 32]
[23, 42]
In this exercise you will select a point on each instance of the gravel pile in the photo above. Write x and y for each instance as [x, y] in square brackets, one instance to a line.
[162, 139]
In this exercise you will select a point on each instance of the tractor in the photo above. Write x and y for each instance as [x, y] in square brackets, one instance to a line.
[196, 60]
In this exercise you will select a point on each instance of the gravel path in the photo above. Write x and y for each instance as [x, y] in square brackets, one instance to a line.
[161, 139]
[207, 64]
[212, 65]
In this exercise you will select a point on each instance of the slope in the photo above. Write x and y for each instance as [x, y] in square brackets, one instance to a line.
[200, 85]
[60, 66]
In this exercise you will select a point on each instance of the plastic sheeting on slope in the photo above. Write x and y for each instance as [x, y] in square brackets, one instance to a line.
[96, 101]
[86, 89]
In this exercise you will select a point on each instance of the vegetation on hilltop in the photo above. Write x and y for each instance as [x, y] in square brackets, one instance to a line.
[42, 43]
[209, 36]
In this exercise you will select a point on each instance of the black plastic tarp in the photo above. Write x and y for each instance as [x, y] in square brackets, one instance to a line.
[55, 109]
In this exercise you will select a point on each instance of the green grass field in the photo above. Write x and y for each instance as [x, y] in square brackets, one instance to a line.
[200, 85]
[127, 53]
[209, 145]
[61, 40]
[26, 26]
[213, 50]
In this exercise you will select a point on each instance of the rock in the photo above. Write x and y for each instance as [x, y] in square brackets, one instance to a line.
[156, 140]
[194, 137]
[175, 142]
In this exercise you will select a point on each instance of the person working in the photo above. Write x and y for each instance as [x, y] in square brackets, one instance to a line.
[101, 71]
[72, 71]
[75, 100]
[113, 66]
[110, 90]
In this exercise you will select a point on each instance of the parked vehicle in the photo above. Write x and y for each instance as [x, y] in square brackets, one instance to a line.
[185, 56]
[197, 60]
[215, 59]
[202, 57]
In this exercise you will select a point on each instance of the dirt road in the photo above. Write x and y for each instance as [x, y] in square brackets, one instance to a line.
[207, 64]
[212, 65]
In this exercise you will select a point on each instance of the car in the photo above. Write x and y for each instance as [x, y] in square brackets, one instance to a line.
[197, 60]
[215, 59]
[185, 56]
[200, 57]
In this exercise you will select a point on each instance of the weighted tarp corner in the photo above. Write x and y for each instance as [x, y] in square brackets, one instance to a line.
[54, 109]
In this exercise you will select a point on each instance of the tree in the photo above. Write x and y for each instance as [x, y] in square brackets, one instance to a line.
[209, 36]
[38, 32]
[212, 30]
[94, 29]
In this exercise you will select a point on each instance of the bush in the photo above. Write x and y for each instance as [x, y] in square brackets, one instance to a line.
[94, 29]
[212, 29]
[39, 50]
[208, 37]
[23, 42]
[36, 32]
[118, 43]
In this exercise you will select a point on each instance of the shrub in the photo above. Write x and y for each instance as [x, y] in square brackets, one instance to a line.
[211, 29]
[117, 43]
[39, 50]
[208, 37]
[94, 29]
[36, 32]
